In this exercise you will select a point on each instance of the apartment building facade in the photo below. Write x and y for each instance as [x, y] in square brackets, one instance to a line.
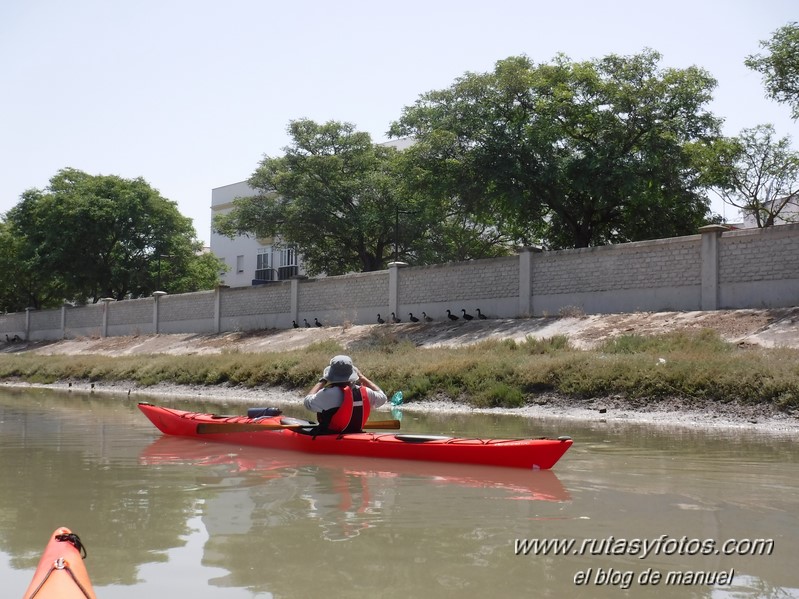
[250, 260]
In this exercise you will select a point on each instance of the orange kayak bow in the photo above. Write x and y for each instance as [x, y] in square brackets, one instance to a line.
[61, 572]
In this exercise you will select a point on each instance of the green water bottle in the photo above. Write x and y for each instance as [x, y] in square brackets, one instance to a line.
[396, 399]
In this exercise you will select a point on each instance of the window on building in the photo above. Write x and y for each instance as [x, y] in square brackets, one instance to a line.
[239, 263]
[288, 263]
[263, 264]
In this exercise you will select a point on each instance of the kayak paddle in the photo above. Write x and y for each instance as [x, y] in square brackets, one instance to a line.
[247, 427]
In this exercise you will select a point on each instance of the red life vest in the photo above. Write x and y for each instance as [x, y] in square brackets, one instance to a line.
[353, 412]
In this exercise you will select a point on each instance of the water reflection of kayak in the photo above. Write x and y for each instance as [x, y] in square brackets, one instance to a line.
[541, 485]
[61, 573]
[279, 433]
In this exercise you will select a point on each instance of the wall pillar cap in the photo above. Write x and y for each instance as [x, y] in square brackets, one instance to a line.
[713, 229]
[397, 264]
[157, 294]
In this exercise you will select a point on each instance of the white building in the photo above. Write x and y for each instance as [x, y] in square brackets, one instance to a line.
[789, 214]
[250, 260]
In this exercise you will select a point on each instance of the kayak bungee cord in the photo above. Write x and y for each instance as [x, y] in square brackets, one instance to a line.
[75, 540]
[62, 564]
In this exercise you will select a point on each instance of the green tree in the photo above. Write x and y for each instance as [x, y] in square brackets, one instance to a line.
[757, 173]
[25, 283]
[86, 237]
[446, 229]
[332, 196]
[14, 289]
[573, 154]
[346, 205]
[780, 67]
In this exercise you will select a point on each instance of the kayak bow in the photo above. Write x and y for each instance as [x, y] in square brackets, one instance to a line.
[532, 454]
[61, 573]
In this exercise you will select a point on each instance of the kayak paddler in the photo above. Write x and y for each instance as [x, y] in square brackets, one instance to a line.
[343, 397]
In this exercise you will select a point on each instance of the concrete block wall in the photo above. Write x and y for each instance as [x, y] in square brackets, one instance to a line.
[135, 312]
[753, 268]
[46, 323]
[491, 285]
[187, 306]
[251, 301]
[135, 317]
[657, 275]
[759, 268]
[187, 312]
[12, 324]
[355, 298]
[260, 307]
[82, 321]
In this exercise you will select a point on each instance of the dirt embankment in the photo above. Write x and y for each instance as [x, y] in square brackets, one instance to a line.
[766, 328]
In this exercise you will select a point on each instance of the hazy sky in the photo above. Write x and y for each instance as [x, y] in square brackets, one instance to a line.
[191, 94]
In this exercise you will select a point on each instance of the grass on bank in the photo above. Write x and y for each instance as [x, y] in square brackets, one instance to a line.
[489, 374]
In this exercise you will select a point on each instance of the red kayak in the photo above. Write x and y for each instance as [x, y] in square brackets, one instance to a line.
[61, 573]
[277, 432]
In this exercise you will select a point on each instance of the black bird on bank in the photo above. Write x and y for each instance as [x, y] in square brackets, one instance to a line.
[465, 315]
[294, 324]
[380, 320]
[451, 316]
[426, 317]
[394, 319]
[480, 315]
[317, 323]
[307, 324]
[412, 317]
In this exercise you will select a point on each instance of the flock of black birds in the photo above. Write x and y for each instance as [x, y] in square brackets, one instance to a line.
[394, 319]
[411, 318]
[306, 323]
[14, 339]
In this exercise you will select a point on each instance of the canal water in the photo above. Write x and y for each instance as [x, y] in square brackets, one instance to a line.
[629, 511]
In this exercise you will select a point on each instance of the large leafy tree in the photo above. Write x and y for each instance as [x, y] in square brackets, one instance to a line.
[572, 154]
[17, 281]
[85, 237]
[348, 205]
[331, 195]
[780, 66]
[451, 229]
[757, 173]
